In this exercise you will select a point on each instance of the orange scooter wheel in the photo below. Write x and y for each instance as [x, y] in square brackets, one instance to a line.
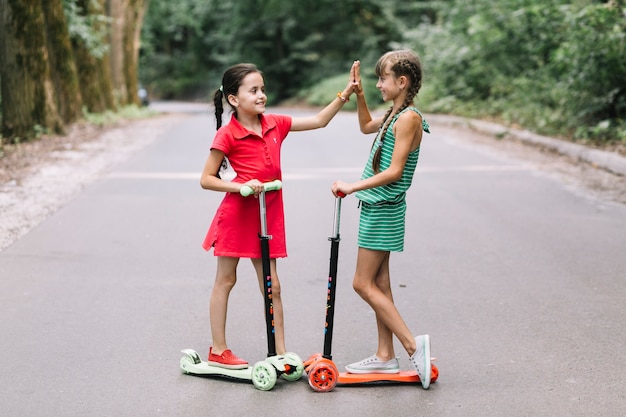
[323, 375]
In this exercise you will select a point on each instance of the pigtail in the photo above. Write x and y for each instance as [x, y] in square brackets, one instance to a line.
[219, 111]
[219, 106]
[383, 130]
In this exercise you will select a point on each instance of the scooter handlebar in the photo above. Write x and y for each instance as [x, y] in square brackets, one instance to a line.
[267, 186]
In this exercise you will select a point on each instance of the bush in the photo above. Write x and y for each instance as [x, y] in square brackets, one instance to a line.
[555, 67]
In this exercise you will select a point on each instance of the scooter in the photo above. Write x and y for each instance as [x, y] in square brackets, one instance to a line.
[263, 374]
[322, 372]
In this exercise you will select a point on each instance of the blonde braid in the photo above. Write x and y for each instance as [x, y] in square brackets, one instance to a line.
[383, 131]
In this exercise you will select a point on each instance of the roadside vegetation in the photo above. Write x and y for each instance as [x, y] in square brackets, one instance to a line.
[554, 67]
[551, 66]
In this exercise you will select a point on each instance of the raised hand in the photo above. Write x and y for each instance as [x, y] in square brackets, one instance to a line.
[354, 80]
[355, 77]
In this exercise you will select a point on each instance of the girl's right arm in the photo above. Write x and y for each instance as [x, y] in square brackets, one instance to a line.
[366, 123]
[210, 181]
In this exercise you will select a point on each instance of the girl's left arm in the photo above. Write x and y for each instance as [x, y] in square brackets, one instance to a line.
[322, 118]
[407, 130]
[210, 179]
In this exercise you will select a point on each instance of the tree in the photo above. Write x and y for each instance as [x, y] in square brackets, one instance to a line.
[91, 53]
[55, 60]
[62, 66]
[186, 45]
[296, 44]
[27, 88]
[126, 20]
[135, 13]
[189, 43]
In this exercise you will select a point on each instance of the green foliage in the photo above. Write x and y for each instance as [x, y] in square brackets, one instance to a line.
[295, 44]
[87, 28]
[184, 45]
[591, 63]
[39, 130]
[552, 66]
[556, 67]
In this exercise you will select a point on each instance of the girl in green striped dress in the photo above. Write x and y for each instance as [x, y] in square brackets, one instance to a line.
[381, 192]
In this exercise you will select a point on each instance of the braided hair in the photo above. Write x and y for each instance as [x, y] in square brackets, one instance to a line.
[403, 62]
[231, 81]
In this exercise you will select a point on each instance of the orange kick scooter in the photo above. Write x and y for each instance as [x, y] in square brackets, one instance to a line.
[322, 372]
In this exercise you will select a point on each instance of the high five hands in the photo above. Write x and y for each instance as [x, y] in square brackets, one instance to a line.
[342, 188]
[355, 77]
[354, 82]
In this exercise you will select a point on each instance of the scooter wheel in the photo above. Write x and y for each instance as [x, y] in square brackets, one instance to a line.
[323, 376]
[296, 367]
[264, 376]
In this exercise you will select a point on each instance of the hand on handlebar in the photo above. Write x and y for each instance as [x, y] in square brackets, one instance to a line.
[256, 187]
[341, 189]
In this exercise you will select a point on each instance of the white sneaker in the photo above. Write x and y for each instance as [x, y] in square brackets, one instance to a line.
[373, 365]
[421, 359]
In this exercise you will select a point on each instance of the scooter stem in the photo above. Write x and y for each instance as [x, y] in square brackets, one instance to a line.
[332, 281]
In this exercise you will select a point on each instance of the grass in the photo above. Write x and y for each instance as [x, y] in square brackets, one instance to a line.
[125, 113]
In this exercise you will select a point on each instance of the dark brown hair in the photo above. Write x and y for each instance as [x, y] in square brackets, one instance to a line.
[231, 81]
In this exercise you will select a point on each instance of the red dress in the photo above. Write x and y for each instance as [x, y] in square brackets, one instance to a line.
[235, 228]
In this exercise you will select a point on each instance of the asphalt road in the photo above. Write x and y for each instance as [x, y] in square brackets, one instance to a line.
[518, 279]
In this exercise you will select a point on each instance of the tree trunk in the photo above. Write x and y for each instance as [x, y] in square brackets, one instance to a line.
[127, 18]
[62, 66]
[94, 72]
[132, 42]
[27, 90]
[115, 10]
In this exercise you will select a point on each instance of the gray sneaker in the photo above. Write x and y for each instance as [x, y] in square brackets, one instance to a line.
[421, 359]
[373, 365]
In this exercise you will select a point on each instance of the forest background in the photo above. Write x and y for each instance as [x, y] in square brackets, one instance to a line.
[554, 67]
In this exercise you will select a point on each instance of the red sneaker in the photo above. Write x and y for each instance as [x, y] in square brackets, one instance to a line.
[226, 359]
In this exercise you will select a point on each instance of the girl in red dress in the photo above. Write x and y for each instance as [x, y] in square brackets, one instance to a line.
[251, 143]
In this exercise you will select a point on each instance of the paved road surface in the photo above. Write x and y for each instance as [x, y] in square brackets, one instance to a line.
[518, 279]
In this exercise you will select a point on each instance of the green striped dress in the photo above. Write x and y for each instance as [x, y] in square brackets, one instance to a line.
[383, 209]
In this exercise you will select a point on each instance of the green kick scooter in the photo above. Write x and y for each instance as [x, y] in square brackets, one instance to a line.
[265, 373]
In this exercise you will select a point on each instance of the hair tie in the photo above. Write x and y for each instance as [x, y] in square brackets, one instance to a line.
[222, 89]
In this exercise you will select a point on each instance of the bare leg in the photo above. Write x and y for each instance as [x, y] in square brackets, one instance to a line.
[225, 280]
[279, 324]
[372, 283]
[382, 281]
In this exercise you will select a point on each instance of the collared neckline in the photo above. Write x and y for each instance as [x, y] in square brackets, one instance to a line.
[240, 132]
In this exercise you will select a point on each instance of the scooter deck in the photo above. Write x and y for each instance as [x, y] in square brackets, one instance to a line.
[192, 364]
[402, 376]
[410, 377]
